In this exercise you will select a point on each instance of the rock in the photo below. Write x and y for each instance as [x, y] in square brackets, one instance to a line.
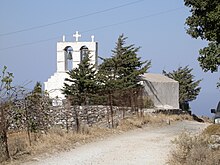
[215, 142]
[35, 159]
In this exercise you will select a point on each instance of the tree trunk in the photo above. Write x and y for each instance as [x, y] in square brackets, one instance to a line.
[141, 101]
[28, 124]
[3, 134]
[111, 110]
[67, 125]
[77, 120]
[123, 113]
[67, 111]
[87, 109]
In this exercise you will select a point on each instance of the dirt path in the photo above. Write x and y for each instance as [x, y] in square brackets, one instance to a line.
[142, 146]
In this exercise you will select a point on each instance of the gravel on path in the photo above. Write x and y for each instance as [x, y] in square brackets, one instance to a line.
[137, 147]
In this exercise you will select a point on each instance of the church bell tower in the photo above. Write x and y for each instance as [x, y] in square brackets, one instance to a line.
[69, 55]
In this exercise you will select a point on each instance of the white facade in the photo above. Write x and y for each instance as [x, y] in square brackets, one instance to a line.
[163, 91]
[69, 55]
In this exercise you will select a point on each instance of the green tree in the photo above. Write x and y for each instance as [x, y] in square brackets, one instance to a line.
[129, 71]
[122, 72]
[81, 84]
[8, 94]
[128, 66]
[108, 83]
[124, 69]
[37, 89]
[188, 87]
[107, 77]
[204, 23]
[37, 109]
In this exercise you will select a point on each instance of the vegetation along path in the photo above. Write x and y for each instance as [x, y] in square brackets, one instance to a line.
[141, 146]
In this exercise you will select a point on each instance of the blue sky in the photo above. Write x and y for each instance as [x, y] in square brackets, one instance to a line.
[157, 27]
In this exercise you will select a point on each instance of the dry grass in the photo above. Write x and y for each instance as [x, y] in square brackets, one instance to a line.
[59, 140]
[18, 144]
[213, 129]
[54, 141]
[150, 119]
[196, 149]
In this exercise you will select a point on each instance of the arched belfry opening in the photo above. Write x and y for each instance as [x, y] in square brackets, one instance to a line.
[68, 51]
[84, 51]
[69, 55]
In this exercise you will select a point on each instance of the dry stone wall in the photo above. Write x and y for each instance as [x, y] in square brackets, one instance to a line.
[87, 115]
[66, 116]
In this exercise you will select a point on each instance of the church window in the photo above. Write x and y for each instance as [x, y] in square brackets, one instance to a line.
[83, 52]
[68, 53]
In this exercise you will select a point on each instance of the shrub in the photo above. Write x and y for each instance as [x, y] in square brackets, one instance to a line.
[213, 129]
[194, 149]
[148, 103]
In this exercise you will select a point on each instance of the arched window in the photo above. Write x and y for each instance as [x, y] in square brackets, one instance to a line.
[69, 51]
[68, 54]
[83, 52]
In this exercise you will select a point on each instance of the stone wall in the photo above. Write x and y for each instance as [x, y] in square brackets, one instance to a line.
[87, 115]
[65, 117]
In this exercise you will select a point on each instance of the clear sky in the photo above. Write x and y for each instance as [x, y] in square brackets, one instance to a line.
[155, 25]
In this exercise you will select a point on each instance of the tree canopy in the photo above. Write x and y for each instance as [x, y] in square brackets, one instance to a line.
[119, 76]
[188, 87]
[204, 23]
[8, 94]
[37, 109]
[130, 67]
[124, 68]
[81, 82]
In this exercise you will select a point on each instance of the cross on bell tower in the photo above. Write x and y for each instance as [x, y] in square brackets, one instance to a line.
[69, 56]
[77, 35]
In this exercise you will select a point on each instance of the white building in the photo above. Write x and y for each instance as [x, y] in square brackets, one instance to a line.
[69, 55]
[162, 90]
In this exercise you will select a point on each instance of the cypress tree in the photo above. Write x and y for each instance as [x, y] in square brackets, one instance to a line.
[124, 69]
[81, 83]
[121, 73]
[188, 87]
[129, 66]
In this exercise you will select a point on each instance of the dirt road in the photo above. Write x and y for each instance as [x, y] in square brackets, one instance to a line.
[142, 146]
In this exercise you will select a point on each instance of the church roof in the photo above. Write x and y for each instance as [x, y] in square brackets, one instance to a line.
[153, 77]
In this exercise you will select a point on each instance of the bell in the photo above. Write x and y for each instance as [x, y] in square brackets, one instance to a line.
[69, 55]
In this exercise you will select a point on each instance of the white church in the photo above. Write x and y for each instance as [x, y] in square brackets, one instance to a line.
[69, 55]
[163, 91]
